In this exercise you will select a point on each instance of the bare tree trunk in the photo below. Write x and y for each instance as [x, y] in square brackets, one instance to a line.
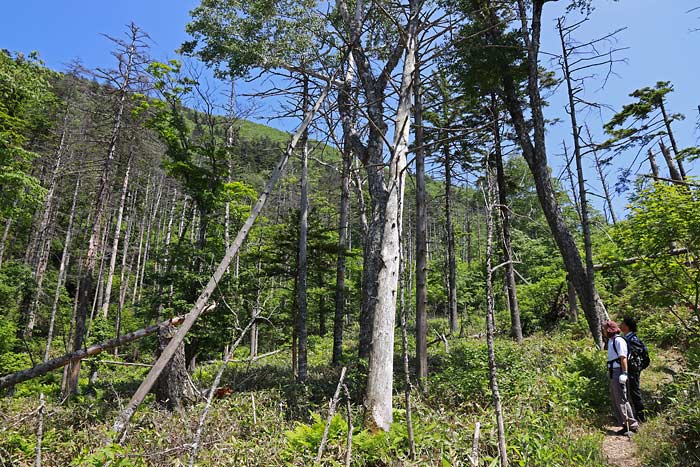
[603, 182]
[45, 233]
[585, 222]
[347, 120]
[5, 235]
[450, 232]
[672, 138]
[421, 242]
[146, 250]
[86, 282]
[516, 329]
[342, 252]
[378, 397]
[142, 229]
[406, 367]
[115, 242]
[125, 271]
[490, 318]
[62, 270]
[302, 312]
[652, 163]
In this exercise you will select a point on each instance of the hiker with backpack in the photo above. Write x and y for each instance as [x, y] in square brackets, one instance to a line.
[637, 360]
[618, 374]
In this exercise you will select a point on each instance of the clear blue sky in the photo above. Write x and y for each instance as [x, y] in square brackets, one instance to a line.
[662, 47]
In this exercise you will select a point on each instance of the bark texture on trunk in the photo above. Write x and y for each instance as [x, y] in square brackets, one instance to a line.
[489, 197]
[516, 330]
[378, 398]
[174, 388]
[115, 241]
[302, 311]
[421, 243]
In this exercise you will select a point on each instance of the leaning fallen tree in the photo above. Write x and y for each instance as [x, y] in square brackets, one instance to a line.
[43, 368]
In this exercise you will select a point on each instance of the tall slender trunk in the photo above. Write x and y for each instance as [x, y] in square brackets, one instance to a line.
[142, 229]
[489, 197]
[125, 271]
[62, 270]
[348, 155]
[652, 164]
[378, 397]
[421, 241]
[147, 247]
[516, 330]
[583, 195]
[450, 247]
[302, 311]
[603, 182]
[5, 235]
[115, 242]
[45, 232]
[86, 282]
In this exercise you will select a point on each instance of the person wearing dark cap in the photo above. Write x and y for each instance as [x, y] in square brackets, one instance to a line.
[629, 329]
[617, 371]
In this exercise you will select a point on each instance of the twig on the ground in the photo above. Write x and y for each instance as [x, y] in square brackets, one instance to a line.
[39, 431]
[474, 458]
[348, 453]
[331, 412]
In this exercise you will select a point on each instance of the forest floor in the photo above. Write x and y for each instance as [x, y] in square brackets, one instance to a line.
[557, 410]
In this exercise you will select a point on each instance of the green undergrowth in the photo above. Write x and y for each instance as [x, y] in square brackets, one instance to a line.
[553, 387]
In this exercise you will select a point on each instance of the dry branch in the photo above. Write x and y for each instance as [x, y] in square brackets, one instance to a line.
[43, 368]
[331, 412]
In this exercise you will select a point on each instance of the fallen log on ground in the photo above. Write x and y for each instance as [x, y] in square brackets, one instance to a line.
[43, 368]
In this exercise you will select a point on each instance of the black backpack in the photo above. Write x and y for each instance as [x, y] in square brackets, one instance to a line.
[638, 355]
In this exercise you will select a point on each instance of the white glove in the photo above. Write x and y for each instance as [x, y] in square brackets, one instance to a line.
[623, 378]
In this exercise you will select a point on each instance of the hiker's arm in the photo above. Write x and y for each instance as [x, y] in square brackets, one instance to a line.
[623, 363]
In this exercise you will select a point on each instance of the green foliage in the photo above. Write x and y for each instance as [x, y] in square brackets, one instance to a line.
[673, 438]
[113, 455]
[25, 104]
[234, 36]
[662, 215]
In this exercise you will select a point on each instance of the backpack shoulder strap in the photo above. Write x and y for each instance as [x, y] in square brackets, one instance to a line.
[617, 352]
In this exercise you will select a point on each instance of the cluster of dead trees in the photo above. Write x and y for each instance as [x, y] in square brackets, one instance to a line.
[395, 112]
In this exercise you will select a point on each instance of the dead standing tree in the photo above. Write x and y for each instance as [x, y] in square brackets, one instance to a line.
[131, 59]
[577, 57]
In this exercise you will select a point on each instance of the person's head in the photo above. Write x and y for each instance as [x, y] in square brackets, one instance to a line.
[629, 324]
[611, 328]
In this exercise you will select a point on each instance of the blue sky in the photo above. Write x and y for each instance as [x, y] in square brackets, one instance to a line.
[661, 47]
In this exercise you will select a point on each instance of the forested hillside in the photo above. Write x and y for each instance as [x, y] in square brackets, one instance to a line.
[411, 276]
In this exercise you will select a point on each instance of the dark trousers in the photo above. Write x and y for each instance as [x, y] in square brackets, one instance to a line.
[636, 396]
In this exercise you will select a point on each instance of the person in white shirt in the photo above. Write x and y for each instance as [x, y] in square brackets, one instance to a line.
[617, 372]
